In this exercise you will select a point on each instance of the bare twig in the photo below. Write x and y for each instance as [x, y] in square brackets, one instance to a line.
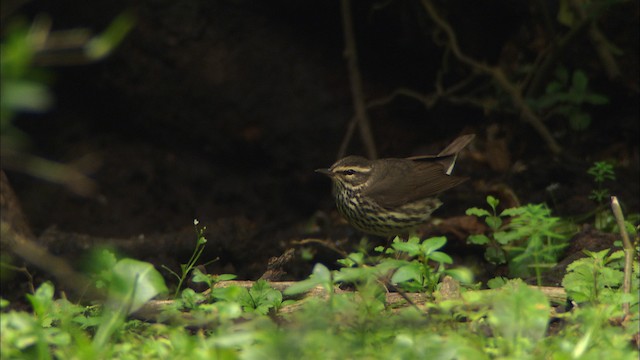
[326, 243]
[351, 55]
[428, 100]
[73, 177]
[628, 251]
[514, 92]
[38, 256]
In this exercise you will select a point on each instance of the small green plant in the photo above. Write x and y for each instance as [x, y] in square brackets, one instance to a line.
[185, 269]
[531, 240]
[566, 95]
[602, 171]
[57, 324]
[226, 302]
[596, 279]
[52, 327]
[494, 252]
[418, 273]
[210, 279]
[260, 298]
[408, 265]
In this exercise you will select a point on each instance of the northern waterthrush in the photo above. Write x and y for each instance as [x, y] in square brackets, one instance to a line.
[393, 196]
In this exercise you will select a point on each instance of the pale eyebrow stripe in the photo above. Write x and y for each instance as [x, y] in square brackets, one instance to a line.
[354, 168]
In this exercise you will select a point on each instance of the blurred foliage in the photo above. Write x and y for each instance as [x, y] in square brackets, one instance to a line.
[566, 96]
[26, 49]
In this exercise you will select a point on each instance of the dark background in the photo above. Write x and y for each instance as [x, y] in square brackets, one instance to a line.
[221, 110]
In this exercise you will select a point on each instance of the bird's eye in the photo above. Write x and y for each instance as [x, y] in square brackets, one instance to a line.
[349, 172]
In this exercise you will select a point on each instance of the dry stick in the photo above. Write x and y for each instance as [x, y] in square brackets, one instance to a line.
[356, 81]
[151, 309]
[499, 77]
[628, 251]
[324, 243]
[68, 175]
[428, 100]
[27, 249]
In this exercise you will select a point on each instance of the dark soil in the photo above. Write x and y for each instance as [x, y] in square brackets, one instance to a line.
[221, 110]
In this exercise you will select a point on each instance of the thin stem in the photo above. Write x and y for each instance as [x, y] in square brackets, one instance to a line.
[628, 251]
[351, 55]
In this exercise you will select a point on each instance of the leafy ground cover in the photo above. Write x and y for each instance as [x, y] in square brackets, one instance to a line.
[437, 311]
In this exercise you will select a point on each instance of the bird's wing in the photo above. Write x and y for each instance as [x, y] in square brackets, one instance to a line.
[448, 156]
[405, 181]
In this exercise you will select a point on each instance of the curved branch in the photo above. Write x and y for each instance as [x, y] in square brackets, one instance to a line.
[498, 76]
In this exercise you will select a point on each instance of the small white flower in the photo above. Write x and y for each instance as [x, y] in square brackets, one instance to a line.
[553, 187]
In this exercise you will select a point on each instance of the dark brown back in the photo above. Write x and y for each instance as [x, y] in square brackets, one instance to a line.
[403, 181]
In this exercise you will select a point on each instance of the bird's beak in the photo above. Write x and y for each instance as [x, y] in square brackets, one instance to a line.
[325, 172]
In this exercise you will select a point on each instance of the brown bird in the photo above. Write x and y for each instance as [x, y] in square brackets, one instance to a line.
[393, 196]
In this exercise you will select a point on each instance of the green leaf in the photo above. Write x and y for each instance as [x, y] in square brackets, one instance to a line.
[478, 239]
[200, 277]
[477, 212]
[261, 297]
[412, 248]
[411, 271]
[463, 275]
[579, 82]
[512, 211]
[497, 282]
[100, 46]
[493, 202]
[229, 293]
[441, 257]
[224, 277]
[520, 312]
[494, 222]
[433, 244]
[504, 237]
[25, 95]
[596, 99]
[190, 299]
[134, 283]
[589, 280]
[42, 302]
[320, 276]
[352, 275]
[352, 259]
